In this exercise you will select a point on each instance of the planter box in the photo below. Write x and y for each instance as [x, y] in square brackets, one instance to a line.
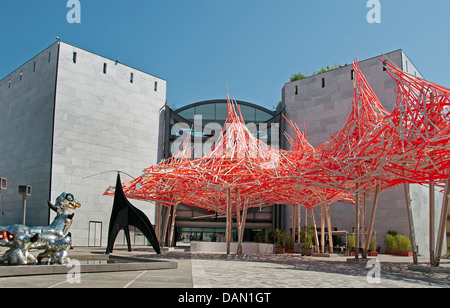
[289, 250]
[372, 253]
[306, 251]
[399, 253]
[278, 250]
[405, 253]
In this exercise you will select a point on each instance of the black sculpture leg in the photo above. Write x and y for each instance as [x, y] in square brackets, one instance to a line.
[138, 219]
[126, 230]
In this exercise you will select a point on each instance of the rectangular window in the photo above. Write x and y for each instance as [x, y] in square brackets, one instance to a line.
[21, 76]
[296, 89]
[49, 56]
[34, 67]
[352, 75]
[104, 68]
[384, 67]
[156, 86]
[74, 57]
[95, 234]
[131, 77]
[9, 84]
[323, 82]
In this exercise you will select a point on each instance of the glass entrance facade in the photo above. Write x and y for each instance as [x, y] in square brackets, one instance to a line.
[192, 234]
[194, 224]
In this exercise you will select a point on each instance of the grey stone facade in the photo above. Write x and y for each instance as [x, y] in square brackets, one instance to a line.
[321, 103]
[74, 117]
[27, 98]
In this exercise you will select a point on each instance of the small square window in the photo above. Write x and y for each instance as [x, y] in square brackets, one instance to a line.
[104, 68]
[74, 57]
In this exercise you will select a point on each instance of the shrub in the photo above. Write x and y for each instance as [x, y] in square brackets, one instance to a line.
[298, 76]
[259, 237]
[391, 243]
[288, 243]
[392, 232]
[280, 238]
[403, 243]
[351, 242]
[306, 236]
[373, 244]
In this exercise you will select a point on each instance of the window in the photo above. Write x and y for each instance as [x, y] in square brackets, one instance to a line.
[104, 68]
[296, 89]
[384, 67]
[34, 67]
[131, 77]
[156, 86]
[21, 76]
[9, 84]
[323, 82]
[74, 57]
[95, 234]
[49, 56]
[352, 75]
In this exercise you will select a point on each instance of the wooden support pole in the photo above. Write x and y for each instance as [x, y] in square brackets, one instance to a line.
[432, 224]
[412, 234]
[166, 226]
[172, 227]
[298, 222]
[316, 237]
[242, 226]
[356, 226]
[158, 224]
[364, 224]
[371, 221]
[166, 221]
[293, 225]
[322, 227]
[238, 218]
[330, 230]
[229, 220]
[442, 222]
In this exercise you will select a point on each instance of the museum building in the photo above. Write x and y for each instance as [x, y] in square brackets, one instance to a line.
[71, 119]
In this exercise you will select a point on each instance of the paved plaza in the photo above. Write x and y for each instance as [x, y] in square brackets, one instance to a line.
[249, 271]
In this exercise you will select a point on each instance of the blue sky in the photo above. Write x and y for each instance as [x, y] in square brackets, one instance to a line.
[253, 46]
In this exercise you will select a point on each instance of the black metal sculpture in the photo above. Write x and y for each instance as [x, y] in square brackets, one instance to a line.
[123, 215]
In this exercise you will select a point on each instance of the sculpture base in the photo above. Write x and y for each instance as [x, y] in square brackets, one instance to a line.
[88, 264]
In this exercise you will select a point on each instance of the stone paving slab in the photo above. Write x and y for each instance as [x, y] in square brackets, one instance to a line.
[299, 272]
[248, 271]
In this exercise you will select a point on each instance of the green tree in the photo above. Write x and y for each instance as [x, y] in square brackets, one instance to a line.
[297, 76]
